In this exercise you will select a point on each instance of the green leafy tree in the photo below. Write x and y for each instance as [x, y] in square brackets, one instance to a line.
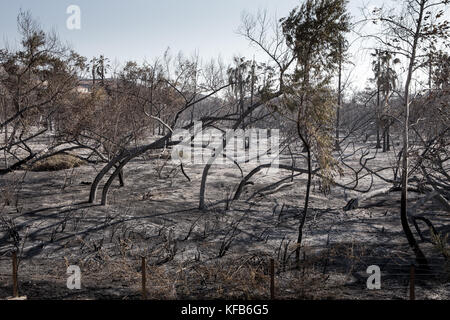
[315, 31]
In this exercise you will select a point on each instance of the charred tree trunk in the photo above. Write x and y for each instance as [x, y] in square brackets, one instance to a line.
[122, 159]
[211, 160]
[420, 257]
[338, 111]
[121, 179]
[378, 146]
[308, 188]
[245, 180]
[306, 205]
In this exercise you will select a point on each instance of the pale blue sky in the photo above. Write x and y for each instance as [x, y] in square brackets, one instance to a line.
[143, 29]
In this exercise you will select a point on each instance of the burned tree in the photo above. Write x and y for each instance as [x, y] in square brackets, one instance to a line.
[35, 81]
[315, 31]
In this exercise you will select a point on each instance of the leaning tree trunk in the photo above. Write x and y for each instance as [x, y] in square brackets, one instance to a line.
[220, 149]
[217, 153]
[121, 179]
[245, 180]
[201, 202]
[100, 175]
[122, 159]
[116, 173]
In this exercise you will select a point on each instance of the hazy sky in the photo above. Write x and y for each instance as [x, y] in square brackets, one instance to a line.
[143, 29]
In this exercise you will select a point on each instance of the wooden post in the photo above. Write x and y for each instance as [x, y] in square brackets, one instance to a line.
[144, 278]
[14, 275]
[412, 289]
[272, 279]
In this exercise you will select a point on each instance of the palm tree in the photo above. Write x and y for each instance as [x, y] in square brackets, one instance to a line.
[240, 77]
[102, 67]
[386, 79]
[94, 64]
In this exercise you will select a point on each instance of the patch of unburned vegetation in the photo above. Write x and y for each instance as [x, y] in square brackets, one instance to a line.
[57, 162]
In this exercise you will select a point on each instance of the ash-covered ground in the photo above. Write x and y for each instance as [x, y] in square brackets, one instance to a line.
[221, 252]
